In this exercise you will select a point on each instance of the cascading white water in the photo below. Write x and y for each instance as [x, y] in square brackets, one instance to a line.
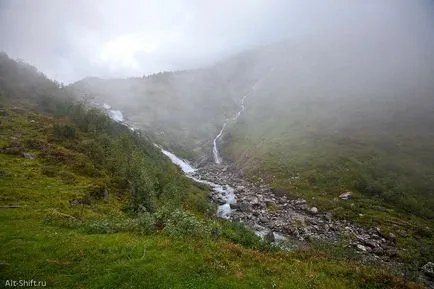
[115, 115]
[215, 151]
[223, 192]
[183, 164]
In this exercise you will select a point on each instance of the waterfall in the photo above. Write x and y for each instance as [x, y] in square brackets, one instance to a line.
[215, 151]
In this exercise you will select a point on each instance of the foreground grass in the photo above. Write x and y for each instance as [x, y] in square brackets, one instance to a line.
[68, 258]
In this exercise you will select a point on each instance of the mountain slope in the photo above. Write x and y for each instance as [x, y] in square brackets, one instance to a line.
[323, 116]
[86, 202]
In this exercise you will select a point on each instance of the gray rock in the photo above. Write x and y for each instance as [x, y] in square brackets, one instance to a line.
[263, 220]
[346, 196]
[255, 201]
[234, 206]
[300, 202]
[314, 210]
[29, 156]
[392, 237]
[328, 217]
[361, 248]
[378, 251]
[428, 269]
[3, 174]
[244, 207]
[370, 243]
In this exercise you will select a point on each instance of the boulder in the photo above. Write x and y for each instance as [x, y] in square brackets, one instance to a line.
[361, 248]
[255, 201]
[235, 206]
[346, 196]
[263, 220]
[314, 210]
[244, 207]
[428, 269]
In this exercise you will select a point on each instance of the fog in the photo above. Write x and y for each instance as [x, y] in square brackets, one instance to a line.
[69, 40]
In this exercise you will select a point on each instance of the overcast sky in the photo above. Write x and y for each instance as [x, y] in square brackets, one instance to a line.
[69, 40]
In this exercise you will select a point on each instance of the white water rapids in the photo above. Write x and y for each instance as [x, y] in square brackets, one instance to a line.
[224, 192]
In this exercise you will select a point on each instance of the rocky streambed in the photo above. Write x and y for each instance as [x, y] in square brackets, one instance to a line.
[278, 216]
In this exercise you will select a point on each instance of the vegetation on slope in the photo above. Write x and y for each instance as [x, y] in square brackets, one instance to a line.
[377, 143]
[101, 243]
[86, 202]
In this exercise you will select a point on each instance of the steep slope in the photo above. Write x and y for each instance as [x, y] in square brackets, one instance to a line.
[86, 202]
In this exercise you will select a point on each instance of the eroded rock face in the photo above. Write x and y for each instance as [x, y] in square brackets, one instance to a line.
[260, 208]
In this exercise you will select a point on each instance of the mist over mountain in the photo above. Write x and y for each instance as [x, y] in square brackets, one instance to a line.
[315, 127]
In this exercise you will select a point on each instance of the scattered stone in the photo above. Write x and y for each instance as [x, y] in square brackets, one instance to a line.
[300, 202]
[428, 269]
[392, 237]
[346, 196]
[378, 251]
[314, 210]
[235, 206]
[244, 207]
[263, 220]
[255, 201]
[328, 217]
[3, 174]
[361, 248]
[379, 231]
[264, 209]
[29, 156]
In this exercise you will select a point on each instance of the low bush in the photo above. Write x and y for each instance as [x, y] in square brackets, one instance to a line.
[64, 131]
[180, 224]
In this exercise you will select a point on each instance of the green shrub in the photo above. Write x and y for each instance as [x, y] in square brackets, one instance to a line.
[64, 131]
[49, 171]
[67, 177]
[179, 223]
[238, 233]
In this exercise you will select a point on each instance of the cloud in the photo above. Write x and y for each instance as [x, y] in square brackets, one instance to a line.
[69, 40]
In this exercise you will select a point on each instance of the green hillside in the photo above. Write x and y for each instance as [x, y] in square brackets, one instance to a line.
[85, 202]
